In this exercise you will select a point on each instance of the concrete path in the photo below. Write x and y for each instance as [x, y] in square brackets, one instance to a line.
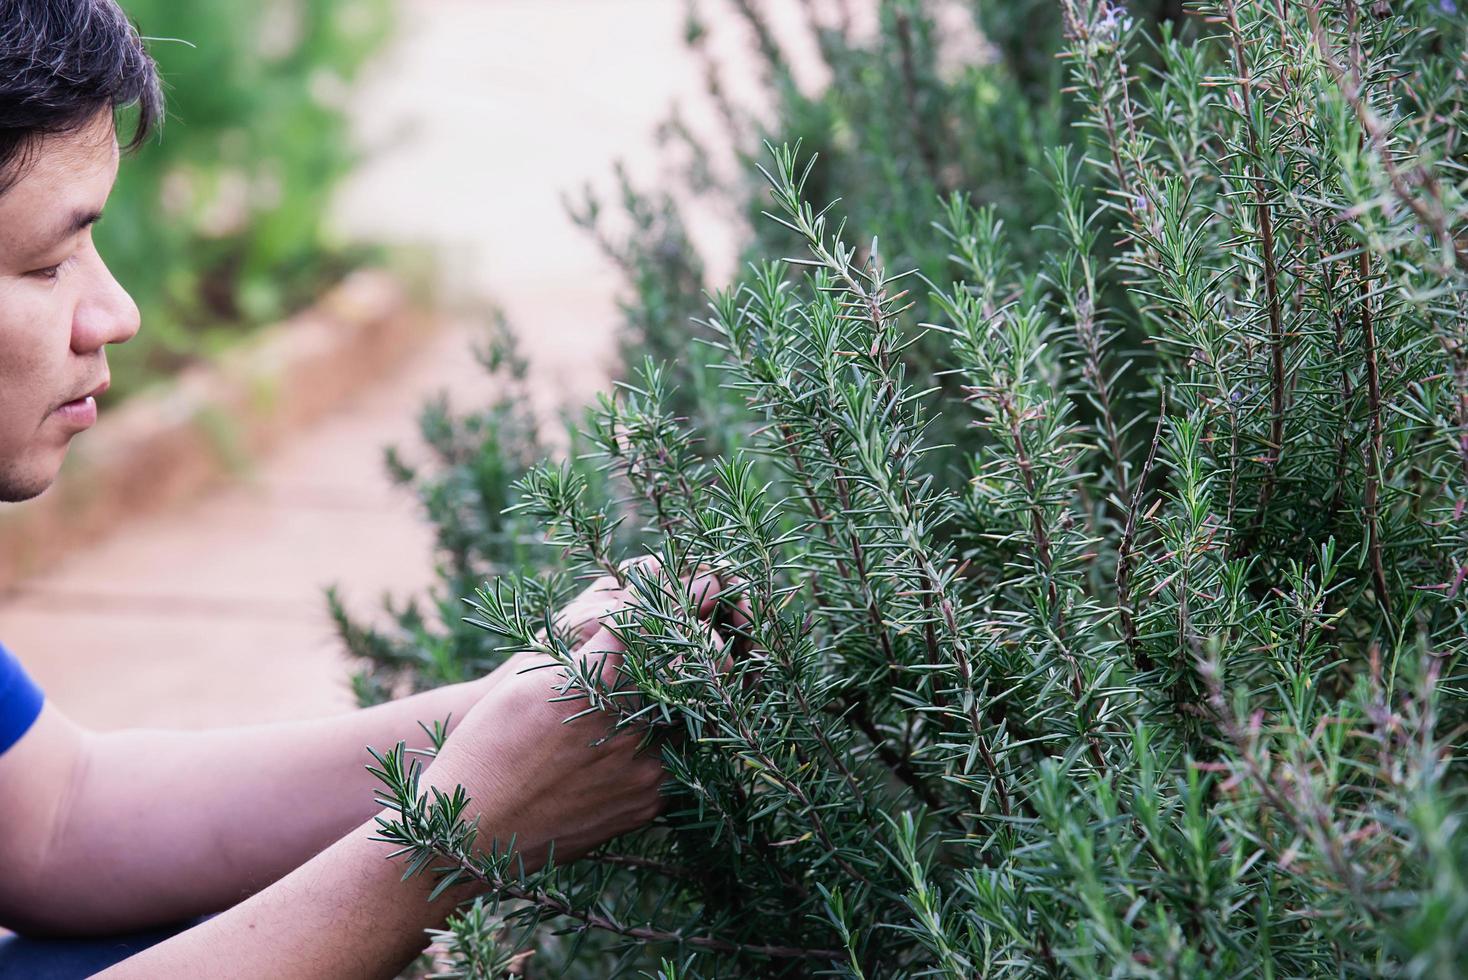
[483, 115]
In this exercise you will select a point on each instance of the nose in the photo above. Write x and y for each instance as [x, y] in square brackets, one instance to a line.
[105, 313]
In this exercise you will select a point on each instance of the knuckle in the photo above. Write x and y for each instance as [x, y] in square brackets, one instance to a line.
[614, 604]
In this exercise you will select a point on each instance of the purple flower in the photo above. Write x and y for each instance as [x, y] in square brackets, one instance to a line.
[1113, 22]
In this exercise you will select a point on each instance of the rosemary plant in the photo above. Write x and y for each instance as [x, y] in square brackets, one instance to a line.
[1099, 601]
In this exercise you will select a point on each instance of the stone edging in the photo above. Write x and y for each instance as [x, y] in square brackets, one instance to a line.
[162, 447]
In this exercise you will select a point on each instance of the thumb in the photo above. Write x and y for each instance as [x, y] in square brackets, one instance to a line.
[605, 651]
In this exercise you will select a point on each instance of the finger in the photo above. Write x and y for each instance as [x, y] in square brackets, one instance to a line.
[703, 585]
[613, 583]
[647, 564]
[740, 612]
[606, 648]
[720, 650]
[725, 661]
[587, 613]
[602, 583]
[704, 588]
[604, 640]
[517, 662]
[718, 593]
[729, 608]
[736, 613]
[509, 667]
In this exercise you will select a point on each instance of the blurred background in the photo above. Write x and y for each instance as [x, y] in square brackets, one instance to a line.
[305, 136]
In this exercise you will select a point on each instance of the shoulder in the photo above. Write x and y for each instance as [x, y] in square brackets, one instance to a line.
[20, 699]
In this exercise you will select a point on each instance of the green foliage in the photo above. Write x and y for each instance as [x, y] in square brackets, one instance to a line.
[1100, 602]
[218, 224]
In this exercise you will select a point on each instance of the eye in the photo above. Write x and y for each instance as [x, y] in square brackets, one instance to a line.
[51, 273]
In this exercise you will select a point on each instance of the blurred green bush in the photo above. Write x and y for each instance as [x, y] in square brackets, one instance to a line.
[217, 226]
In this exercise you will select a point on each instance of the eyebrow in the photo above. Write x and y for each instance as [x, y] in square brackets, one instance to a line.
[78, 221]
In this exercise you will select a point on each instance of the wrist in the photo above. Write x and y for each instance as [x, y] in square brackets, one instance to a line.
[464, 697]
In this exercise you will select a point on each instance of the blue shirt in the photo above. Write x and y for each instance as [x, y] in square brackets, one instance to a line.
[20, 700]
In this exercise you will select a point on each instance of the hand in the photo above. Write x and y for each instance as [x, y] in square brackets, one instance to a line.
[541, 778]
[538, 777]
[595, 606]
[584, 615]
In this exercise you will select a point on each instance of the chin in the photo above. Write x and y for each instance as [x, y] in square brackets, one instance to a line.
[28, 480]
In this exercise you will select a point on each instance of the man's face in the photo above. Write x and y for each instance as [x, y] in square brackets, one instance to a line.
[59, 306]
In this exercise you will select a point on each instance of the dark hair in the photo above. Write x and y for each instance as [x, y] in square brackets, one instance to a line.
[61, 63]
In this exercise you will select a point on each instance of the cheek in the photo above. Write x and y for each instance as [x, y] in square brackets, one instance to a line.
[35, 345]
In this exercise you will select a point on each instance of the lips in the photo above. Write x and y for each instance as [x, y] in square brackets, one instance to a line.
[95, 392]
[81, 412]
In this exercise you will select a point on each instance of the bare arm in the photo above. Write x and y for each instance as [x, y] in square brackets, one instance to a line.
[107, 833]
[346, 913]
[178, 825]
[137, 828]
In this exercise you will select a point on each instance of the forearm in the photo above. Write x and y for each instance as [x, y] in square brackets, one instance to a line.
[163, 826]
[346, 913]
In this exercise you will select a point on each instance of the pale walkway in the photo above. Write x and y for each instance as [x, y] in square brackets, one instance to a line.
[484, 114]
